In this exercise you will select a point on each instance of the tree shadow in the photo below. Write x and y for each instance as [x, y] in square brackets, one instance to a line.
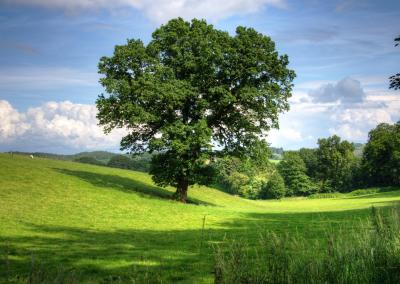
[125, 184]
[381, 194]
[99, 255]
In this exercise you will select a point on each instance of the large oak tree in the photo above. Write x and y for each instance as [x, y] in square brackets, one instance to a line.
[193, 90]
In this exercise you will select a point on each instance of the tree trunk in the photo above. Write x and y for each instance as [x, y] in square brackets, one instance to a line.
[181, 191]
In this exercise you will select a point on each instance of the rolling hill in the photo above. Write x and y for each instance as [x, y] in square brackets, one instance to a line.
[104, 224]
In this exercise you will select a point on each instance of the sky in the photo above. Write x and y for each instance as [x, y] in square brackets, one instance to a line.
[342, 52]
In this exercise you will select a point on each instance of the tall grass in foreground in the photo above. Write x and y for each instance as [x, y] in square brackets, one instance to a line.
[369, 253]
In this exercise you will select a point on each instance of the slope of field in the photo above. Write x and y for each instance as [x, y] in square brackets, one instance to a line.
[109, 223]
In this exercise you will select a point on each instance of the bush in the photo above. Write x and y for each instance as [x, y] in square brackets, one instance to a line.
[274, 188]
[252, 190]
[237, 181]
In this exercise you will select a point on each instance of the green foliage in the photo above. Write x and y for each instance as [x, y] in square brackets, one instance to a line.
[235, 176]
[336, 163]
[244, 176]
[137, 163]
[141, 162]
[293, 170]
[237, 181]
[89, 160]
[381, 157]
[120, 161]
[310, 159]
[102, 156]
[274, 188]
[395, 79]
[258, 155]
[191, 85]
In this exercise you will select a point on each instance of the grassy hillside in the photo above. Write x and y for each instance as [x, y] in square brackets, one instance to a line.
[106, 223]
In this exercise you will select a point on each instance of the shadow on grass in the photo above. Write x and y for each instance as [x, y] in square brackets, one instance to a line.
[161, 256]
[125, 184]
[381, 194]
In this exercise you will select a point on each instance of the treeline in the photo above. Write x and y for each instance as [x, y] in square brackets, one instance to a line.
[137, 162]
[335, 166]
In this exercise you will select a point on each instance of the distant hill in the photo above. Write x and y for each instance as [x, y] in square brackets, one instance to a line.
[358, 149]
[101, 158]
[276, 153]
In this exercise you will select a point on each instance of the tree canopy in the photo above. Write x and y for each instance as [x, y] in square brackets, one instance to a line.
[381, 157]
[191, 90]
[335, 162]
[293, 170]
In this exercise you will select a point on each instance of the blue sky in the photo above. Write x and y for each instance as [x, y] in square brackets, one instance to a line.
[342, 51]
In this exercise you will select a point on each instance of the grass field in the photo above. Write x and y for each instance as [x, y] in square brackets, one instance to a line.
[109, 224]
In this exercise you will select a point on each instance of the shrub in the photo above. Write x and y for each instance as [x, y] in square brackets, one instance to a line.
[237, 181]
[274, 188]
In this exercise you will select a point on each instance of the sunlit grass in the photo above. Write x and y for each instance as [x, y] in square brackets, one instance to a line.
[104, 222]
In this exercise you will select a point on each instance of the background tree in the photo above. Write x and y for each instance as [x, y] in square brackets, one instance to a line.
[244, 176]
[293, 171]
[395, 79]
[193, 85]
[274, 188]
[309, 156]
[89, 160]
[335, 163]
[381, 157]
[120, 161]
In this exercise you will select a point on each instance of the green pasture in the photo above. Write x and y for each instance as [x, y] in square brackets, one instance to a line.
[108, 224]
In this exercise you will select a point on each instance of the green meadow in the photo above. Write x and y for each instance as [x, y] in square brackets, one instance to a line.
[111, 225]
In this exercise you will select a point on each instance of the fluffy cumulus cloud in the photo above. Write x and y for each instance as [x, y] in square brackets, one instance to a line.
[347, 108]
[162, 10]
[354, 123]
[54, 127]
[12, 123]
[347, 90]
[67, 127]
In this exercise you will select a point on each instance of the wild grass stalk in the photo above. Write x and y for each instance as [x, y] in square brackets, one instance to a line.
[369, 253]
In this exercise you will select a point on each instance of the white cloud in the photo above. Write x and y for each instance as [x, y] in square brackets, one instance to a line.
[11, 122]
[347, 90]
[286, 133]
[350, 110]
[162, 10]
[54, 127]
[353, 123]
